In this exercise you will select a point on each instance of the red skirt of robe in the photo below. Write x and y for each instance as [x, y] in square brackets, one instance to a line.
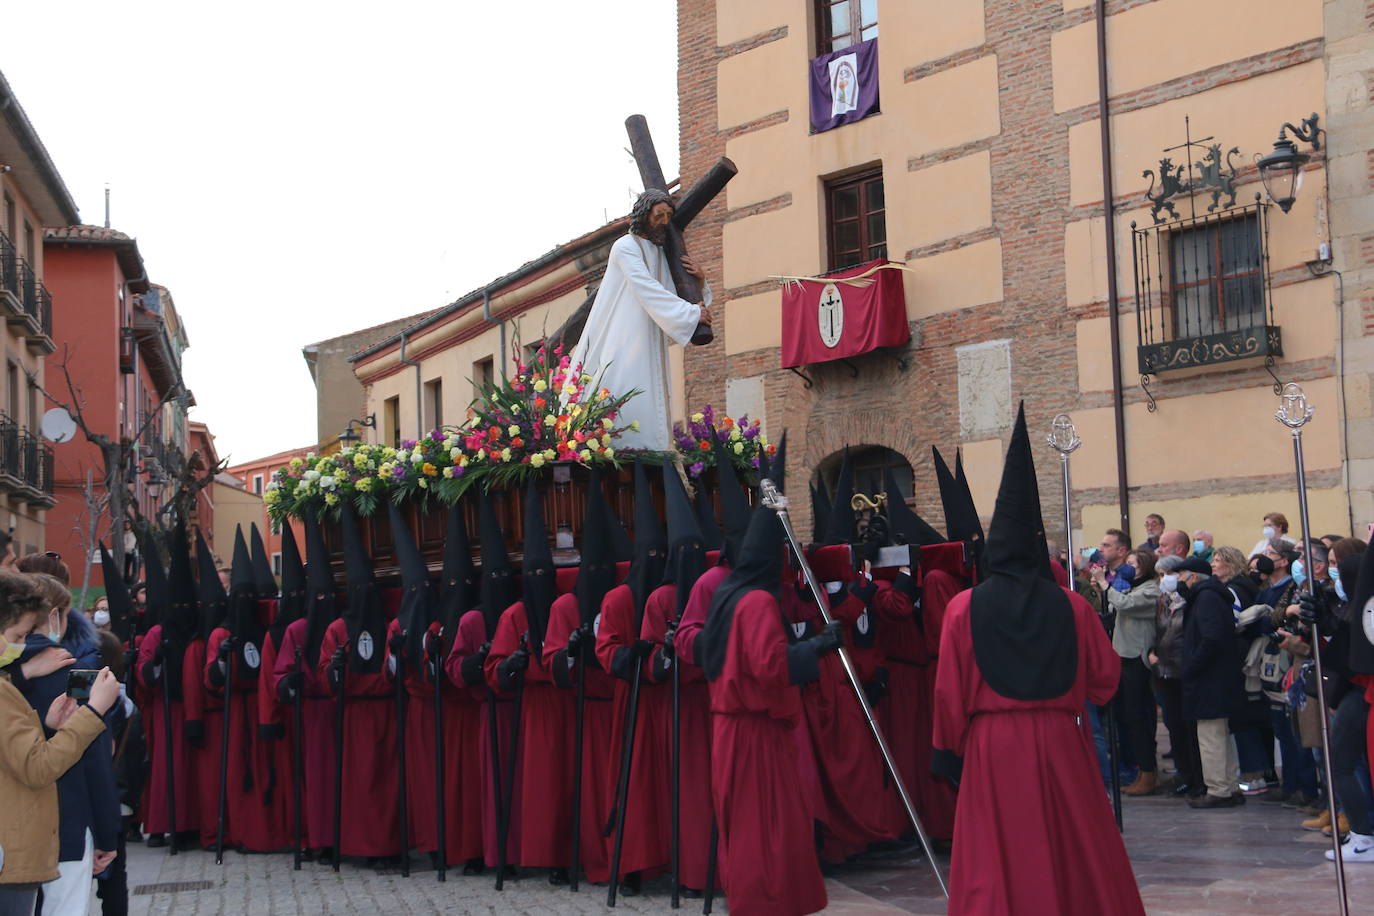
[317, 730]
[184, 773]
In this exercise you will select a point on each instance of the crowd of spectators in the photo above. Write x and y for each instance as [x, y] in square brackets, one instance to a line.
[1219, 644]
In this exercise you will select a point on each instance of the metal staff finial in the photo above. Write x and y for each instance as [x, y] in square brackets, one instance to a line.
[1063, 438]
[1295, 411]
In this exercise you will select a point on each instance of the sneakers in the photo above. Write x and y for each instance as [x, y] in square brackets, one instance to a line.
[1145, 784]
[1252, 783]
[1321, 822]
[1298, 800]
[1356, 848]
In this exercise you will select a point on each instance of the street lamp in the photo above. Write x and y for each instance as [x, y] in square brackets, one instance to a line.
[348, 435]
[1281, 169]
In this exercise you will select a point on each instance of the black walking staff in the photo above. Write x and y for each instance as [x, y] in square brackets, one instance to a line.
[433, 652]
[297, 770]
[226, 663]
[398, 656]
[164, 648]
[579, 712]
[338, 677]
[512, 672]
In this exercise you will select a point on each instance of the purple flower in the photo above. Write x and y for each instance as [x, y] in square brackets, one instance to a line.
[708, 415]
[399, 472]
[723, 434]
[436, 435]
[407, 443]
[755, 461]
[750, 432]
[459, 471]
[696, 469]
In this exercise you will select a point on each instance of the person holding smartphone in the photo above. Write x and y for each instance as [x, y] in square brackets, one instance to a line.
[88, 793]
[31, 759]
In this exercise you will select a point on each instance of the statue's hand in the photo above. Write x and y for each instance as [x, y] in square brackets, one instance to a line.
[691, 267]
[705, 315]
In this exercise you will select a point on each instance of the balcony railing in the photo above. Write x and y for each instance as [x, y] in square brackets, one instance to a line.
[26, 463]
[20, 280]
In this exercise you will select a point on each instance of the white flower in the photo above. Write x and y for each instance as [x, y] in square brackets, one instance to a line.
[328, 482]
[311, 474]
[417, 457]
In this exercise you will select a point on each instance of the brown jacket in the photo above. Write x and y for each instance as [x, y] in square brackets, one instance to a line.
[30, 763]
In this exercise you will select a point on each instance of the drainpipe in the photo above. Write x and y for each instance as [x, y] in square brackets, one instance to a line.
[419, 402]
[499, 322]
[1113, 300]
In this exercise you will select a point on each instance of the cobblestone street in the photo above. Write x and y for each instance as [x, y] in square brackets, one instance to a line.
[1188, 863]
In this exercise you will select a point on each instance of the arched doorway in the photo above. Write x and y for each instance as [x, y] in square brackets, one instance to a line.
[870, 464]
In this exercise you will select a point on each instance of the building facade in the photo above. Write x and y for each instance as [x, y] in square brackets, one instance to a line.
[982, 172]
[32, 195]
[239, 501]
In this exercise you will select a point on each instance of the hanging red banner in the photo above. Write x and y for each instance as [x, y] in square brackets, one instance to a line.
[824, 319]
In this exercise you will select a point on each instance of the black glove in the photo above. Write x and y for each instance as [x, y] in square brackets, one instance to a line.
[471, 668]
[337, 662]
[576, 639]
[397, 644]
[661, 665]
[828, 639]
[512, 668]
[226, 648]
[877, 688]
[641, 648]
[290, 686]
[669, 649]
[1311, 607]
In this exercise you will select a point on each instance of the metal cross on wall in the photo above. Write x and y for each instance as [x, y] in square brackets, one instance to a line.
[688, 206]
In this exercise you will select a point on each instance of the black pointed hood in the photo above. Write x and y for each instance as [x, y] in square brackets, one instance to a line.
[820, 513]
[686, 550]
[210, 593]
[759, 567]
[158, 594]
[734, 505]
[263, 578]
[498, 590]
[1361, 616]
[536, 568]
[117, 595]
[777, 465]
[651, 546]
[840, 524]
[291, 603]
[907, 526]
[243, 621]
[321, 602]
[459, 591]
[621, 545]
[182, 621]
[416, 612]
[962, 481]
[961, 519]
[1024, 638]
[706, 519]
[363, 607]
[596, 569]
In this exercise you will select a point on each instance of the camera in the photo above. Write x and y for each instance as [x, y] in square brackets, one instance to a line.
[79, 681]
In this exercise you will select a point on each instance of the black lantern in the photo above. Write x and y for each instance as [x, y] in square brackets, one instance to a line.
[348, 435]
[1281, 170]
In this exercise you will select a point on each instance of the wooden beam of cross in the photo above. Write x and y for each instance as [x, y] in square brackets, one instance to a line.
[688, 207]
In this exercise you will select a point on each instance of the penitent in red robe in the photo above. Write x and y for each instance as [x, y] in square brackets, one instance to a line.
[421, 792]
[274, 734]
[255, 813]
[205, 728]
[698, 605]
[645, 847]
[598, 763]
[767, 849]
[542, 807]
[184, 774]
[470, 637]
[317, 729]
[1032, 834]
[371, 824]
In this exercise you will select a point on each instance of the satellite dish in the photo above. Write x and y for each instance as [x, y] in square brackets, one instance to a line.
[57, 425]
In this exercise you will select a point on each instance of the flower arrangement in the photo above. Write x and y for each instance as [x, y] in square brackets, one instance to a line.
[743, 439]
[547, 412]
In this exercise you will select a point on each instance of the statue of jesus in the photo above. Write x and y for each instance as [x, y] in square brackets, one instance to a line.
[634, 316]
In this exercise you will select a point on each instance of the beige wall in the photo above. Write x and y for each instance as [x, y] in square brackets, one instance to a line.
[233, 507]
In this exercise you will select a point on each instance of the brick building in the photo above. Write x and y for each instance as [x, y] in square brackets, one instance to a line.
[246, 505]
[983, 171]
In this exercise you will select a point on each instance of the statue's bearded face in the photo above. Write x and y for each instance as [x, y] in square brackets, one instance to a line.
[656, 229]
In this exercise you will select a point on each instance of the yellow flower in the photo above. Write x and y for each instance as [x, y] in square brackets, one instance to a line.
[592, 443]
[550, 420]
[698, 417]
[739, 448]
[537, 460]
[513, 430]
[569, 389]
[550, 454]
[297, 462]
[609, 453]
[364, 484]
[735, 434]
[331, 498]
[462, 461]
[585, 455]
[424, 483]
[428, 469]
[540, 384]
[505, 454]
[634, 426]
[448, 472]
[607, 423]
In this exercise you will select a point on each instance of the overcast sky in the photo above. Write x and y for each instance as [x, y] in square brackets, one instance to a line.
[298, 170]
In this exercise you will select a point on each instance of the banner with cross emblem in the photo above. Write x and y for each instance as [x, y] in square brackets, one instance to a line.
[843, 314]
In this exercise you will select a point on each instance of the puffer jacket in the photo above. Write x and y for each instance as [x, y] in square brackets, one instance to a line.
[30, 764]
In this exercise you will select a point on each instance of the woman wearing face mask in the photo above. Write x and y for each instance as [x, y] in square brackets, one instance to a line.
[87, 794]
[30, 762]
[1274, 527]
[1134, 599]
[1166, 661]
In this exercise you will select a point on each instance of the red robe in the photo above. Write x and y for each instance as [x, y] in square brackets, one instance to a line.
[421, 797]
[184, 787]
[542, 805]
[274, 734]
[462, 770]
[205, 722]
[938, 588]
[698, 606]
[905, 713]
[768, 855]
[857, 805]
[371, 824]
[1033, 832]
[470, 637]
[255, 815]
[317, 728]
[694, 712]
[598, 762]
[645, 847]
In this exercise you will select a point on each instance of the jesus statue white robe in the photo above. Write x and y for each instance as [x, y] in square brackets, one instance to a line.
[625, 342]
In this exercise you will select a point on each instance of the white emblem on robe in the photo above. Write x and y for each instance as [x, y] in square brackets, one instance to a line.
[365, 646]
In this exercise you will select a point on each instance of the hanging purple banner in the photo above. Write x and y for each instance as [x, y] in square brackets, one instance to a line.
[844, 86]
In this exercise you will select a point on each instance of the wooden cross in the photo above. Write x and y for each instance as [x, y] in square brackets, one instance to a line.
[688, 206]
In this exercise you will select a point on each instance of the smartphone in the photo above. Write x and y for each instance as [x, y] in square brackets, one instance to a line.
[79, 681]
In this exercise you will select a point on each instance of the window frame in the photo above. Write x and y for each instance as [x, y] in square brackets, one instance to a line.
[1187, 321]
[859, 180]
[257, 484]
[825, 39]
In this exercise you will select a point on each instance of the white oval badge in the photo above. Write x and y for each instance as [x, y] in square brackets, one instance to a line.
[251, 656]
[365, 646]
[862, 624]
[799, 629]
[830, 315]
[1367, 620]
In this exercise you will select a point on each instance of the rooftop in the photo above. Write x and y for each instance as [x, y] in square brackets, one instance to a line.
[32, 167]
[125, 248]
